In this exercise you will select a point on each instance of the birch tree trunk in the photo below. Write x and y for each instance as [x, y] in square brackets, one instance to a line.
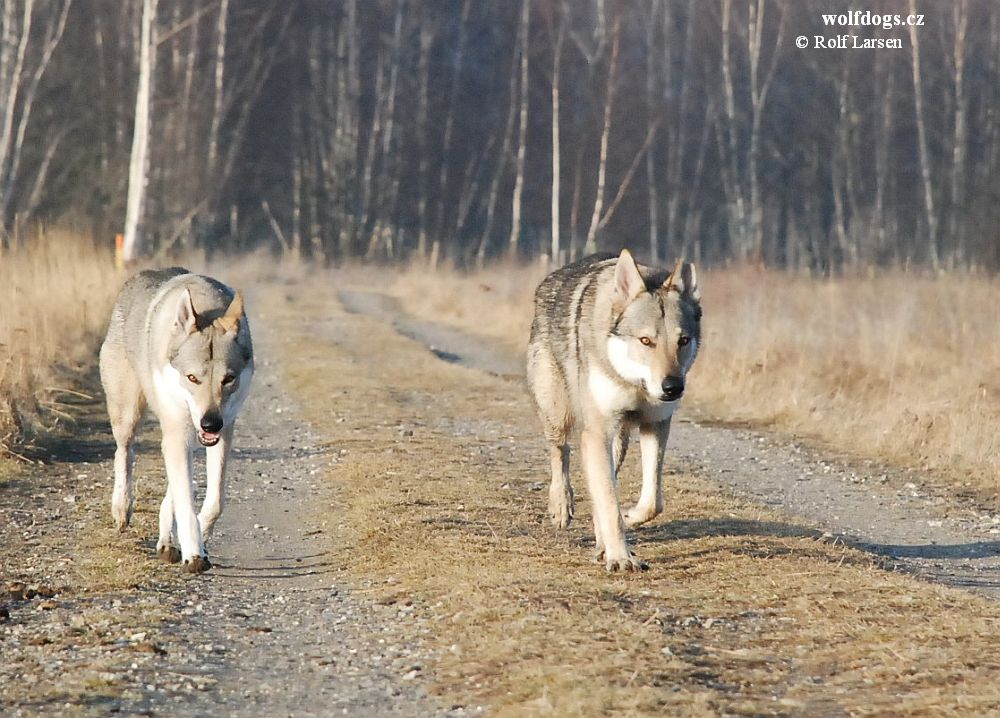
[296, 153]
[758, 99]
[677, 134]
[522, 132]
[449, 124]
[139, 160]
[882, 143]
[574, 208]
[348, 135]
[13, 68]
[651, 108]
[189, 65]
[556, 171]
[933, 256]
[840, 173]
[956, 235]
[219, 88]
[388, 182]
[423, 75]
[10, 155]
[602, 162]
[374, 133]
[508, 134]
[745, 201]
[728, 147]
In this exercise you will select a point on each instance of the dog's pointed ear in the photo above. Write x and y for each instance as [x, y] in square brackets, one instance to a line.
[187, 318]
[690, 278]
[684, 281]
[629, 284]
[230, 321]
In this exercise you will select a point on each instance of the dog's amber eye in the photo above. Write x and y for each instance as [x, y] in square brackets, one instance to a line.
[684, 341]
[646, 341]
[228, 379]
[193, 379]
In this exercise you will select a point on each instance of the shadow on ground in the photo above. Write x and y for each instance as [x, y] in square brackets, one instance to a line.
[82, 432]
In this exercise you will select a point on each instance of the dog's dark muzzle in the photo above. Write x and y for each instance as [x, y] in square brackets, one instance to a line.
[209, 432]
[672, 388]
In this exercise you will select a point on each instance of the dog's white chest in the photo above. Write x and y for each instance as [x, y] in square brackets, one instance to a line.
[609, 396]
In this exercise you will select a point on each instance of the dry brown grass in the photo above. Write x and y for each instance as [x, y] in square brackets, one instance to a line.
[742, 612]
[55, 294]
[901, 368]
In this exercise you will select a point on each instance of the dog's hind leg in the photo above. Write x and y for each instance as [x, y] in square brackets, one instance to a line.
[561, 505]
[216, 459]
[652, 442]
[557, 428]
[552, 403]
[619, 447]
[125, 408]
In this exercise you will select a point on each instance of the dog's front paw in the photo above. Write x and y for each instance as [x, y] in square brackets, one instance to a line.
[197, 564]
[639, 514]
[626, 561]
[169, 554]
[561, 505]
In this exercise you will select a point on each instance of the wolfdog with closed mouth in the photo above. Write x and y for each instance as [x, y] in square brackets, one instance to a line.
[179, 343]
[611, 344]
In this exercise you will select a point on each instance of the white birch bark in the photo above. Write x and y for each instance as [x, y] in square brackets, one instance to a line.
[423, 75]
[508, 134]
[602, 162]
[556, 170]
[11, 172]
[930, 211]
[219, 87]
[449, 124]
[956, 235]
[139, 159]
[515, 214]
[652, 194]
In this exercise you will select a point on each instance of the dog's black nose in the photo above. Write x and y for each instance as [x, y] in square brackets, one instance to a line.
[211, 423]
[673, 387]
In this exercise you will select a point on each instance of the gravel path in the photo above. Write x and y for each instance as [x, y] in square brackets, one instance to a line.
[882, 510]
[272, 630]
[279, 632]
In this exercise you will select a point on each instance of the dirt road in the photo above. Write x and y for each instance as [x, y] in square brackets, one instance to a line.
[273, 629]
[874, 507]
[385, 553]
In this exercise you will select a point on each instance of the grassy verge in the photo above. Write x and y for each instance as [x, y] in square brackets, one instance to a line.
[899, 368]
[56, 291]
[742, 612]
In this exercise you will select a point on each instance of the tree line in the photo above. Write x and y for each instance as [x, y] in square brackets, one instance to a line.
[468, 130]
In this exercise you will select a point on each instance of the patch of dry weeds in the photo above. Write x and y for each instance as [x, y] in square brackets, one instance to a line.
[443, 485]
[56, 292]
